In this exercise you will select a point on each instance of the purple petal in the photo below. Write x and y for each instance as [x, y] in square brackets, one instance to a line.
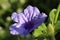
[28, 12]
[12, 26]
[36, 12]
[22, 18]
[14, 30]
[40, 20]
[14, 17]
[29, 25]
[31, 12]
[43, 15]
[19, 18]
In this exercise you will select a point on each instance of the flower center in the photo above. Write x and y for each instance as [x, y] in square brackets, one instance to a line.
[29, 25]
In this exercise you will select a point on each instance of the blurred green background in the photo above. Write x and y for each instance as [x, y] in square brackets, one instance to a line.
[9, 6]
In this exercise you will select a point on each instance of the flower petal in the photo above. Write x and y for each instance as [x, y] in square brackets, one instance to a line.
[22, 18]
[15, 31]
[31, 12]
[12, 29]
[28, 12]
[36, 12]
[43, 15]
[14, 17]
[12, 26]
[40, 19]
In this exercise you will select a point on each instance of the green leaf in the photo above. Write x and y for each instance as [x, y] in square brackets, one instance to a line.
[57, 13]
[57, 26]
[41, 30]
[52, 15]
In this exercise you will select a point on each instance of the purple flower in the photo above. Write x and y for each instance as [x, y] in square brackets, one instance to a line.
[26, 21]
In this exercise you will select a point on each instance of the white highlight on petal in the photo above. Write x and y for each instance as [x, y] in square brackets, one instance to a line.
[14, 17]
[43, 15]
[18, 25]
[14, 32]
[28, 12]
[21, 19]
[36, 11]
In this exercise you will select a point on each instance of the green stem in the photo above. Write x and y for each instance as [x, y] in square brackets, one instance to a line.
[58, 9]
[52, 37]
[51, 32]
[18, 37]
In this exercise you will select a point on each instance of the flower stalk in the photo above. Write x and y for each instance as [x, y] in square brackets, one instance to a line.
[51, 35]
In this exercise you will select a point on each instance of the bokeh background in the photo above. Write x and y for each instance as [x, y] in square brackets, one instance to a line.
[9, 6]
